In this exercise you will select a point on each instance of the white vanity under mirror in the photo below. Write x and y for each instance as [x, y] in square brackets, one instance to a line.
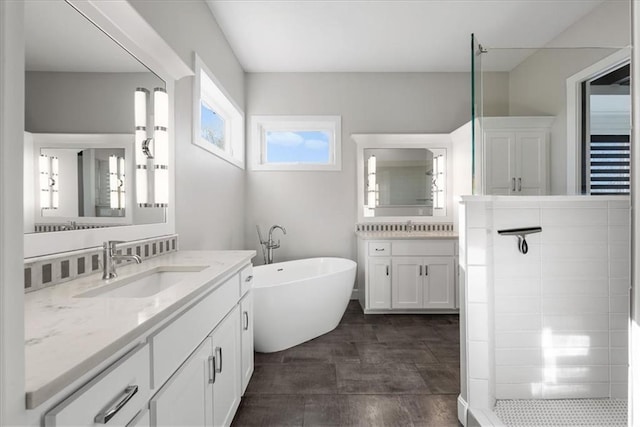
[168, 341]
[407, 246]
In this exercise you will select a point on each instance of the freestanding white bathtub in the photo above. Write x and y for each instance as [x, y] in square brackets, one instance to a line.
[296, 301]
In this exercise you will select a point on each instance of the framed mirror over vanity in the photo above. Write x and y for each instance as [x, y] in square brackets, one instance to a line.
[407, 246]
[82, 124]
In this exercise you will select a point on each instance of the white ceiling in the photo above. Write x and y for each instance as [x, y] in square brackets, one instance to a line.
[400, 35]
[59, 38]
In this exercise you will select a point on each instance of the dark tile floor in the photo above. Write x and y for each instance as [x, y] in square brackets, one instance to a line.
[372, 370]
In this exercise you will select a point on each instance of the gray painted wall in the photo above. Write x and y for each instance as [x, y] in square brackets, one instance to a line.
[318, 209]
[210, 192]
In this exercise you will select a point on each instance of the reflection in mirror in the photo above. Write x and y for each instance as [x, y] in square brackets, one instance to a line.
[404, 182]
[79, 81]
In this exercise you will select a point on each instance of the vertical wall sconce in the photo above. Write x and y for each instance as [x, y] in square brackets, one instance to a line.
[116, 182]
[161, 147]
[49, 196]
[372, 187]
[154, 148]
[438, 182]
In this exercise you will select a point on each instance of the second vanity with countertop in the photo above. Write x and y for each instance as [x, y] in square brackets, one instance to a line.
[167, 342]
[408, 271]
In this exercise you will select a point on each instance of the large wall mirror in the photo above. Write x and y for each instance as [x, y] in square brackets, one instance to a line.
[404, 177]
[79, 120]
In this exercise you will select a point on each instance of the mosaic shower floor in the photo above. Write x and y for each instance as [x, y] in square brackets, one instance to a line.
[563, 412]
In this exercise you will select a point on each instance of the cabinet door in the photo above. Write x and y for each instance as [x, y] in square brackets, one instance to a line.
[379, 283]
[187, 398]
[500, 162]
[406, 282]
[226, 350]
[246, 340]
[439, 282]
[531, 163]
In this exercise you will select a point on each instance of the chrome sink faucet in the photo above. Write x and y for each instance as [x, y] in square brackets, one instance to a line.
[109, 258]
[271, 245]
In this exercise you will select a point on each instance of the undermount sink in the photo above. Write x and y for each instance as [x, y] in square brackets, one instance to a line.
[144, 284]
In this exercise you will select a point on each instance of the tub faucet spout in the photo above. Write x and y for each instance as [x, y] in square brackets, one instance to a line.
[270, 244]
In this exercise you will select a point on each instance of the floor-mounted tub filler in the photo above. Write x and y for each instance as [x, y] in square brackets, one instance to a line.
[296, 301]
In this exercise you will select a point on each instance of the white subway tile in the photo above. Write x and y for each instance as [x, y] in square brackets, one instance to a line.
[479, 360]
[619, 356]
[479, 326]
[619, 217]
[518, 339]
[523, 287]
[593, 322]
[515, 391]
[479, 393]
[476, 215]
[567, 234]
[577, 339]
[518, 322]
[619, 250]
[576, 356]
[522, 305]
[512, 270]
[578, 374]
[573, 217]
[574, 251]
[476, 246]
[619, 304]
[619, 339]
[582, 203]
[618, 321]
[477, 289]
[515, 218]
[619, 268]
[575, 269]
[619, 233]
[576, 391]
[518, 356]
[518, 374]
[582, 287]
[619, 390]
[578, 305]
[619, 373]
[620, 286]
[625, 203]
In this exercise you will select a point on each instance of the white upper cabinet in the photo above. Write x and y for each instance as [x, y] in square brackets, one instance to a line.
[516, 155]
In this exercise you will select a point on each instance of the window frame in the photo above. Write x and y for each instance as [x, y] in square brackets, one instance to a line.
[260, 125]
[215, 97]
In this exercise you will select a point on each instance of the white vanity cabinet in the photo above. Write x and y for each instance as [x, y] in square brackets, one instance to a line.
[408, 275]
[246, 339]
[516, 155]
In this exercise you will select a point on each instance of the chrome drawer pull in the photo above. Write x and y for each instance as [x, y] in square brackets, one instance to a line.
[426, 270]
[212, 370]
[218, 358]
[248, 279]
[379, 249]
[420, 273]
[246, 320]
[116, 404]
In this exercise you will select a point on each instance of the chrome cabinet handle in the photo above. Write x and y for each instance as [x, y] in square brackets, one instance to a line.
[218, 358]
[426, 270]
[519, 184]
[248, 279]
[387, 270]
[116, 404]
[212, 369]
[246, 320]
[379, 249]
[513, 184]
[420, 273]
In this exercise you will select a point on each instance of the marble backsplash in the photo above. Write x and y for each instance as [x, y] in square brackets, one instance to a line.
[50, 270]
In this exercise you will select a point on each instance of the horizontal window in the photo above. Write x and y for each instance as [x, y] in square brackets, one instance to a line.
[296, 143]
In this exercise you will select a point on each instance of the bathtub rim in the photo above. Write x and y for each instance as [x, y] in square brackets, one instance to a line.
[351, 264]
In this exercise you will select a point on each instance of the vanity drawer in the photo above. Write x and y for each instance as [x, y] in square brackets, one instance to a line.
[246, 279]
[126, 380]
[423, 247]
[172, 345]
[379, 248]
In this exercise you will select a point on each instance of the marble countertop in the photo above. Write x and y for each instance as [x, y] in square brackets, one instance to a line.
[66, 336]
[403, 235]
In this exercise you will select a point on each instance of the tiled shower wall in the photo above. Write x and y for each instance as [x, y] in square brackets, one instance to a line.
[556, 317]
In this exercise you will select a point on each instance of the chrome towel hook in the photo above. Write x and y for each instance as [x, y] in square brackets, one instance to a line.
[521, 233]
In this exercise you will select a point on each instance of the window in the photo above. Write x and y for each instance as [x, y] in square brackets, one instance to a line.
[606, 129]
[218, 122]
[296, 143]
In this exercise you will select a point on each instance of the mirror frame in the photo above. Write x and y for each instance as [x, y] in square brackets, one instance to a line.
[120, 21]
[428, 141]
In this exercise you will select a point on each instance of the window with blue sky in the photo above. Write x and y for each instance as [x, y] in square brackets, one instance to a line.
[212, 126]
[297, 147]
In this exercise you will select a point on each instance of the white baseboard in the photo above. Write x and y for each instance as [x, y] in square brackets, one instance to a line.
[463, 407]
